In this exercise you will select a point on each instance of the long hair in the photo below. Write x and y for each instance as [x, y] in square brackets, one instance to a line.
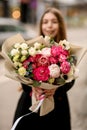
[62, 28]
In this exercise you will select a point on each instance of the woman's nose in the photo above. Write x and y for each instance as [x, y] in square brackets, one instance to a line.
[49, 24]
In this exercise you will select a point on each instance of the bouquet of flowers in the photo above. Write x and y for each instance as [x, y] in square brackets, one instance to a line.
[41, 62]
[53, 64]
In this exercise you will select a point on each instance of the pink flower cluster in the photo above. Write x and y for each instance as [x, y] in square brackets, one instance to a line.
[49, 63]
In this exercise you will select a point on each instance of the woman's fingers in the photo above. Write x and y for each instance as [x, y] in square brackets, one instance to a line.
[49, 92]
[38, 92]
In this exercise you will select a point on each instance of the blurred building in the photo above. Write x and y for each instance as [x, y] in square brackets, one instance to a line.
[7, 7]
[74, 11]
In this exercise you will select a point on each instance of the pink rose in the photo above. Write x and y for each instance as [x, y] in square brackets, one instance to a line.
[43, 61]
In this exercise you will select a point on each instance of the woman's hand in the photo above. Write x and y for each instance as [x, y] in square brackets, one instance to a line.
[38, 92]
[49, 92]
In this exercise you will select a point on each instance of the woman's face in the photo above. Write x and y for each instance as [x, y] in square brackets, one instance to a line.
[50, 26]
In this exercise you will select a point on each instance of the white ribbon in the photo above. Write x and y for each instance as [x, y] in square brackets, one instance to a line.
[35, 110]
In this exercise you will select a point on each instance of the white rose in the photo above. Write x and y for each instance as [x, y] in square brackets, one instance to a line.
[73, 73]
[24, 52]
[65, 44]
[24, 46]
[32, 51]
[14, 52]
[37, 45]
[54, 71]
[17, 45]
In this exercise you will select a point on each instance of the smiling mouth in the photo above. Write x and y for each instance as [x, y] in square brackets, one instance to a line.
[50, 32]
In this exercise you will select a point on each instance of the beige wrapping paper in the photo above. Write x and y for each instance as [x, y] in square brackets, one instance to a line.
[48, 103]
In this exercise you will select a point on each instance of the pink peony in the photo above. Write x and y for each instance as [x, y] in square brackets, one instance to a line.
[57, 50]
[41, 73]
[54, 51]
[53, 60]
[65, 67]
[62, 58]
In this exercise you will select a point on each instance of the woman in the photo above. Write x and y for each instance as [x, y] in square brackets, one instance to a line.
[51, 24]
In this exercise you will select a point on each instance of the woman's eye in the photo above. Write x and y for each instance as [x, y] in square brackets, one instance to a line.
[55, 21]
[44, 22]
[52, 21]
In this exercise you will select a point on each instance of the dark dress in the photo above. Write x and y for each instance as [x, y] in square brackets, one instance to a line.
[59, 118]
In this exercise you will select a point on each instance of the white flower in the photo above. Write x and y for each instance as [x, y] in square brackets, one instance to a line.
[17, 45]
[70, 74]
[76, 74]
[65, 44]
[24, 46]
[24, 52]
[46, 51]
[54, 70]
[32, 51]
[37, 45]
[47, 39]
[73, 73]
[14, 52]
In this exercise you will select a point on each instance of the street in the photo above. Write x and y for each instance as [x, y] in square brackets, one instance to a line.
[9, 92]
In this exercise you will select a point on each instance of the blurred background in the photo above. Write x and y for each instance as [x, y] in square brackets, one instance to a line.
[29, 11]
[22, 16]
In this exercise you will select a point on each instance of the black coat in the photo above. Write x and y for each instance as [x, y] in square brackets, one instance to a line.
[59, 118]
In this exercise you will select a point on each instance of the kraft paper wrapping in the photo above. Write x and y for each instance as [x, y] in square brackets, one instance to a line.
[48, 103]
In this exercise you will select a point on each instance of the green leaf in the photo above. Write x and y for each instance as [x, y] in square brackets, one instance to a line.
[72, 59]
[59, 81]
[36, 83]
[51, 40]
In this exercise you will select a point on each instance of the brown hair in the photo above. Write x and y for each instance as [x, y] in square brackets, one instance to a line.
[62, 30]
